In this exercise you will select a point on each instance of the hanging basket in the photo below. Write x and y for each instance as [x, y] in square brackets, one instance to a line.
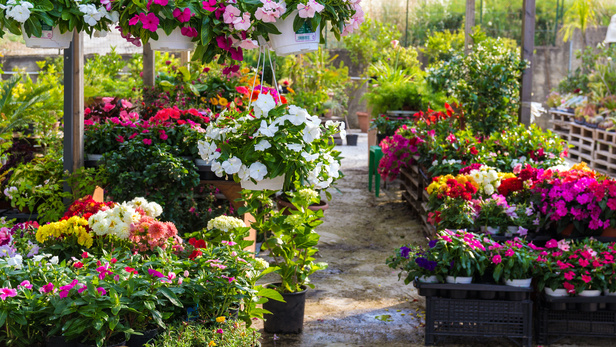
[51, 38]
[275, 183]
[304, 40]
[174, 42]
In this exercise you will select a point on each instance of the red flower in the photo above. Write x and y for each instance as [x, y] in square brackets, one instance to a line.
[196, 253]
[78, 265]
[113, 260]
[474, 151]
[130, 270]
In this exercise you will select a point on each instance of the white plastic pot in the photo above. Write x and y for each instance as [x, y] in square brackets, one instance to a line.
[489, 230]
[523, 283]
[291, 42]
[559, 292]
[51, 38]
[607, 292]
[275, 183]
[428, 279]
[174, 42]
[590, 293]
[459, 280]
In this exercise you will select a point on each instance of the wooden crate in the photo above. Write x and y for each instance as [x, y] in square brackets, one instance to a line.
[561, 123]
[582, 139]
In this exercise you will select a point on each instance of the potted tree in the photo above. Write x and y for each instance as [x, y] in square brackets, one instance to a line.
[292, 246]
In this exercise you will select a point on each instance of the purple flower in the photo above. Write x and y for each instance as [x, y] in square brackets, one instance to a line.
[404, 252]
[432, 243]
[155, 273]
[426, 264]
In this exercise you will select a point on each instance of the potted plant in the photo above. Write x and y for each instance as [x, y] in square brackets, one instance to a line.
[292, 246]
[513, 262]
[50, 23]
[419, 263]
[463, 254]
[494, 215]
[226, 30]
[270, 146]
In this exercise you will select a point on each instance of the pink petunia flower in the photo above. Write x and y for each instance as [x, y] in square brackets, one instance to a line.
[7, 293]
[182, 16]
[149, 21]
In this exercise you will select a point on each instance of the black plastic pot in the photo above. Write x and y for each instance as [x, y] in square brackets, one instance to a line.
[141, 340]
[352, 139]
[58, 341]
[588, 306]
[427, 292]
[487, 295]
[287, 317]
[458, 294]
[379, 138]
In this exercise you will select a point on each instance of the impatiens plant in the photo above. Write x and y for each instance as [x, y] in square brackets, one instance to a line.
[463, 254]
[226, 28]
[273, 140]
[38, 17]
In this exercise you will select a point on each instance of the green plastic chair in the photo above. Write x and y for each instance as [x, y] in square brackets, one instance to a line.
[376, 153]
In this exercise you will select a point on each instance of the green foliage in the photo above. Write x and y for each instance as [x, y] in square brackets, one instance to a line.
[102, 77]
[197, 335]
[369, 43]
[441, 46]
[486, 83]
[155, 172]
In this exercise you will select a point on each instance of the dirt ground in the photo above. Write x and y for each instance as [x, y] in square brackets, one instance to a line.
[358, 234]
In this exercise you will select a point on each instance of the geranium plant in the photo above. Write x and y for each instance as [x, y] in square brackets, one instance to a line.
[227, 28]
[37, 16]
[273, 140]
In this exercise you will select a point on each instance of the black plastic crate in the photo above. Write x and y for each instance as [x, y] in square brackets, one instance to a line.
[509, 314]
[576, 317]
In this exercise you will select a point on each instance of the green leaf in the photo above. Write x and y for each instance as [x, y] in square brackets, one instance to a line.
[171, 296]
[270, 294]
[298, 22]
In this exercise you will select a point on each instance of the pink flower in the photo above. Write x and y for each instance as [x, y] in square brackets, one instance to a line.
[84, 255]
[249, 44]
[219, 331]
[509, 252]
[182, 16]
[189, 32]
[230, 13]
[171, 275]
[497, 259]
[120, 139]
[82, 289]
[26, 284]
[569, 275]
[308, 10]
[132, 136]
[147, 141]
[101, 291]
[163, 135]
[551, 244]
[48, 288]
[7, 293]
[586, 278]
[134, 20]
[108, 107]
[267, 16]
[569, 287]
[243, 22]
[149, 21]
[229, 243]
[186, 273]
[210, 5]
[155, 273]
[451, 138]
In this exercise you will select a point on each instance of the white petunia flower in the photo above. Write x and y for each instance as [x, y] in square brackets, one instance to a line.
[244, 173]
[258, 171]
[263, 105]
[232, 165]
[295, 147]
[262, 145]
[310, 157]
[311, 133]
[217, 169]
[266, 130]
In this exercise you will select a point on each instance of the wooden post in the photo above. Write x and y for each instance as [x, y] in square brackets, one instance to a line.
[149, 70]
[185, 58]
[528, 47]
[468, 26]
[73, 104]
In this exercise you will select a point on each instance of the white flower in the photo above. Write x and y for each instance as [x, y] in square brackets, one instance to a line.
[16, 261]
[295, 147]
[54, 260]
[334, 169]
[232, 166]
[258, 171]
[297, 115]
[244, 173]
[488, 189]
[263, 105]
[217, 168]
[310, 157]
[225, 223]
[21, 12]
[266, 130]
[114, 16]
[262, 145]
[311, 133]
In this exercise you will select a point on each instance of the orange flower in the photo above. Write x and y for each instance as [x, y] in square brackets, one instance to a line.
[290, 90]
[255, 95]
[214, 101]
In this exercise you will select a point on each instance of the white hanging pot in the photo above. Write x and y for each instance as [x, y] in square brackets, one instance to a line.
[275, 183]
[291, 42]
[51, 38]
[174, 42]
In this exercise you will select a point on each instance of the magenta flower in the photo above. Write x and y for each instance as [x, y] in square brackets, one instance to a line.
[147, 142]
[220, 331]
[182, 16]
[48, 288]
[229, 243]
[586, 278]
[149, 21]
[7, 293]
[134, 20]
[82, 289]
[103, 271]
[155, 273]
[26, 284]
[569, 275]
[210, 5]
[497, 259]
[171, 275]
[189, 32]
[551, 244]
[101, 291]
[509, 252]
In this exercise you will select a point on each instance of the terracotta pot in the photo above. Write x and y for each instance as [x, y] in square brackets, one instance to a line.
[364, 121]
[323, 205]
[609, 232]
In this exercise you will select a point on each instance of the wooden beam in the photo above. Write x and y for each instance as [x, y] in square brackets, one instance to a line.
[468, 25]
[73, 104]
[149, 70]
[528, 48]
[185, 58]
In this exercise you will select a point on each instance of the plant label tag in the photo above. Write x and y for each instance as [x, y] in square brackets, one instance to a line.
[305, 33]
[47, 32]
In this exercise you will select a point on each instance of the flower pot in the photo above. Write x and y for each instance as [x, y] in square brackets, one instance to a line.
[522, 283]
[258, 247]
[141, 340]
[51, 38]
[380, 138]
[459, 280]
[287, 317]
[610, 306]
[275, 183]
[427, 279]
[363, 118]
[512, 229]
[352, 139]
[589, 306]
[609, 232]
[426, 291]
[58, 341]
[322, 205]
[489, 230]
[557, 293]
[304, 40]
[173, 42]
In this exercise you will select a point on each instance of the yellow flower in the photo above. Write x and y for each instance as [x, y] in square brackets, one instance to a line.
[505, 175]
[245, 70]
[212, 343]
[214, 101]
[220, 319]
[223, 102]
[581, 166]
